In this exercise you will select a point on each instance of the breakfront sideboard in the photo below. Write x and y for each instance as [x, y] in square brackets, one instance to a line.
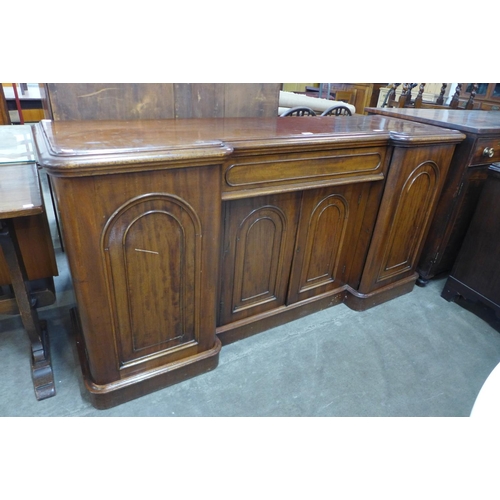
[464, 182]
[183, 235]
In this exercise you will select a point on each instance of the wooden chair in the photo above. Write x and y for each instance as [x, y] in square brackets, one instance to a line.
[455, 101]
[299, 111]
[337, 111]
[404, 100]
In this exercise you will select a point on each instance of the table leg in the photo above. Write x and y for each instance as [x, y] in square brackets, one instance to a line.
[41, 368]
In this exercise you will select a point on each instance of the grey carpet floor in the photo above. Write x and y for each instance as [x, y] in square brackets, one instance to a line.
[414, 356]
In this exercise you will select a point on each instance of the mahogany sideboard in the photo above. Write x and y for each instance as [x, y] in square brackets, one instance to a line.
[182, 235]
[463, 185]
[476, 273]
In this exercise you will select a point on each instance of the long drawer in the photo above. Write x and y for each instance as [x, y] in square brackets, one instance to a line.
[289, 172]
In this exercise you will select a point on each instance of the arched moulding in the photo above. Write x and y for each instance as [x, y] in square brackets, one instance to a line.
[320, 265]
[151, 248]
[410, 216]
[256, 286]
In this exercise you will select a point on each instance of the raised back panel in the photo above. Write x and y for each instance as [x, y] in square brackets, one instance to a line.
[146, 101]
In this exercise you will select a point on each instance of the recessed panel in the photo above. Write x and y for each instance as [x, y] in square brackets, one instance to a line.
[151, 248]
[258, 252]
[410, 217]
[324, 241]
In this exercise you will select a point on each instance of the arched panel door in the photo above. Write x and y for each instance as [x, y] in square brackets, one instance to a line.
[259, 236]
[414, 182]
[410, 217]
[152, 252]
[326, 241]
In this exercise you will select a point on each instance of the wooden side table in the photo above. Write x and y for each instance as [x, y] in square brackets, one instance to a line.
[20, 197]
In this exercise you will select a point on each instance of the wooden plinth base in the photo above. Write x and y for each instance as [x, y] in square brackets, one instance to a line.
[242, 329]
[123, 390]
[361, 301]
[353, 299]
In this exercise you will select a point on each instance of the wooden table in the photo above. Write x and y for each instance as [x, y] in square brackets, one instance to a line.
[183, 235]
[20, 199]
[464, 181]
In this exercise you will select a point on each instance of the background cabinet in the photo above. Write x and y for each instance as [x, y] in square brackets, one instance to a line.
[476, 273]
[487, 95]
[363, 94]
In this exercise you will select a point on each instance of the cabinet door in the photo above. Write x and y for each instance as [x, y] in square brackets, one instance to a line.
[259, 236]
[142, 251]
[414, 182]
[466, 202]
[327, 238]
[476, 273]
[152, 247]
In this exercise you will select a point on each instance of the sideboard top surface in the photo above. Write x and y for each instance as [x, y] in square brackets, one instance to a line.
[73, 144]
[473, 121]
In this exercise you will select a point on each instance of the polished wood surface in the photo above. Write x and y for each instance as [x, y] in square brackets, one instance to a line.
[145, 101]
[476, 273]
[474, 121]
[20, 193]
[463, 184]
[72, 144]
[182, 234]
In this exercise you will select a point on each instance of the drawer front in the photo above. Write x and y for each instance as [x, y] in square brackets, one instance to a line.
[302, 170]
[487, 150]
